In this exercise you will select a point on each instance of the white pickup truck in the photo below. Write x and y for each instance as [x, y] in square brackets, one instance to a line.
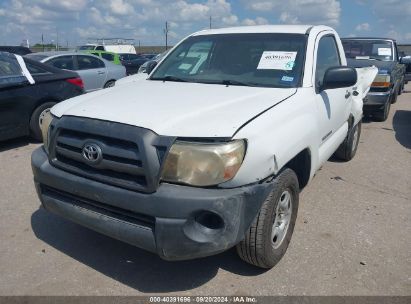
[212, 149]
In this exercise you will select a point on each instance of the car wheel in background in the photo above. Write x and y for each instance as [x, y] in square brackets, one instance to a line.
[266, 241]
[110, 84]
[401, 89]
[383, 114]
[347, 150]
[36, 118]
[395, 96]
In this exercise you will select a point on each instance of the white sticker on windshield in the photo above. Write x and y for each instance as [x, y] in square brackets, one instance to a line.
[185, 66]
[384, 52]
[273, 60]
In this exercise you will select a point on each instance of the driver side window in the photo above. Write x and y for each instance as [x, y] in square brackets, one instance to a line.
[327, 57]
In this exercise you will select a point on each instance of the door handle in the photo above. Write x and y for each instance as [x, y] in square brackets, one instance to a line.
[347, 94]
[100, 72]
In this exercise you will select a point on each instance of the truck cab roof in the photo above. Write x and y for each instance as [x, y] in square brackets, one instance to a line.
[289, 29]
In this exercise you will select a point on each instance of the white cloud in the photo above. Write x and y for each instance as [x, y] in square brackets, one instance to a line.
[230, 20]
[145, 19]
[256, 21]
[262, 5]
[300, 11]
[363, 27]
[120, 7]
[90, 32]
[388, 9]
[65, 5]
[286, 17]
[393, 16]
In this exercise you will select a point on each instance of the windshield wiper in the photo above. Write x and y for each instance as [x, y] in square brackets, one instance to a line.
[234, 82]
[246, 84]
[366, 58]
[378, 59]
[170, 78]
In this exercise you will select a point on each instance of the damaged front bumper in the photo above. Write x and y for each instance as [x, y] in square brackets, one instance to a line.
[176, 222]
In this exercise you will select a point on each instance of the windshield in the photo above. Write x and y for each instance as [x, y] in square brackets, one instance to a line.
[368, 49]
[264, 60]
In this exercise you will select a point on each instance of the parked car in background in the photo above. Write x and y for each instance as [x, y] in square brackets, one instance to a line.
[210, 151]
[22, 104]
[132, 66]
[131, 62]
[115, 45]
[148, 56]
[406, 60]
[19, 50]
[109, 56]
[96, 72]
[389, 83]
[127, 57]
[155, 59]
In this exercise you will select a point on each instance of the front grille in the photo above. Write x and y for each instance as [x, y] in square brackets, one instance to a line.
[108, 210]
[131, 156]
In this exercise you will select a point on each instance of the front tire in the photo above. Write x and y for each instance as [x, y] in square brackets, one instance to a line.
[395, 96]
[401, 89]
[36, 118]
[267, 240]
[383, 115]
[347, 150]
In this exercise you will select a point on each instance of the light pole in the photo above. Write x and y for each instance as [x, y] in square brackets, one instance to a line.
[166, 33]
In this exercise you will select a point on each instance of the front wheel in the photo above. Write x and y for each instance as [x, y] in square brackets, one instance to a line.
[266, 241]
[395, 96]
[383, 114]
[347, 150]
[401, 89]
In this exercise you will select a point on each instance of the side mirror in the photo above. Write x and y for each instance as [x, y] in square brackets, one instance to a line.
[405, 60]
[339, 77]
[150, 66]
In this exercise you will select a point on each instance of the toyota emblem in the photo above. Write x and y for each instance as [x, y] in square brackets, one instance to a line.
[92, 153]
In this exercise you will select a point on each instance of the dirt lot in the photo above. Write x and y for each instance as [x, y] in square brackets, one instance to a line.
[353, 235]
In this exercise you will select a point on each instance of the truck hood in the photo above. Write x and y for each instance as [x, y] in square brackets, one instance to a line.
[175, 108]
[387, 66]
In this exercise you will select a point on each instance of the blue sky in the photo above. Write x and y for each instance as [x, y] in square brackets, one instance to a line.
[76, 20]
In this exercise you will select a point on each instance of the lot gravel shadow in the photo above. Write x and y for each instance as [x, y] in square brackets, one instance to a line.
[129, 265]
[14, 143]
[402, 127]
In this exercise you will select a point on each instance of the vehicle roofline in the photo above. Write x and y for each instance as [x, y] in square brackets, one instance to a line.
[367, 38]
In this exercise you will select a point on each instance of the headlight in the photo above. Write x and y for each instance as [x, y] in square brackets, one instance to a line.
[202, 164]
[382, 81]
[45, 122]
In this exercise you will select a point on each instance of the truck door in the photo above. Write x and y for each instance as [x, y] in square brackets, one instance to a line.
[334, 104]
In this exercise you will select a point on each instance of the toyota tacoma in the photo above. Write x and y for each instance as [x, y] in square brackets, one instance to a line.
[212, 148]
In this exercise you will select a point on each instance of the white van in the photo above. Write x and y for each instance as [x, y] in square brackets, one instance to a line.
[115, 45]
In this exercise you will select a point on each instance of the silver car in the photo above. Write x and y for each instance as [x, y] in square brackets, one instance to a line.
[96, 73]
